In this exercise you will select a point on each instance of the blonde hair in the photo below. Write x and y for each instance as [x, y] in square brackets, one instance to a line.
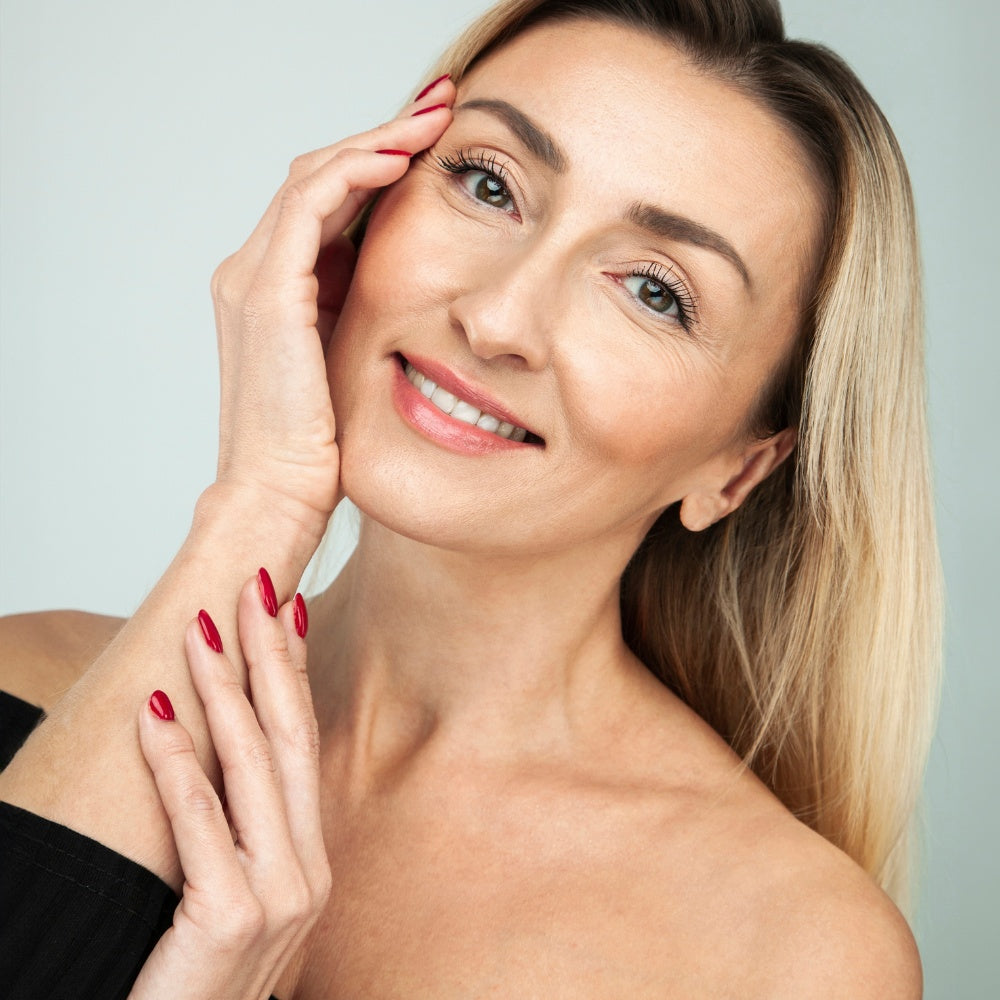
[805, 627]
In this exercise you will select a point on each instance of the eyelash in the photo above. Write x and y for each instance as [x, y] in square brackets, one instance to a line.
[686, 302]
[465, 161]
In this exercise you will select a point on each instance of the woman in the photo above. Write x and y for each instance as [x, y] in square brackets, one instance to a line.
[669, 275]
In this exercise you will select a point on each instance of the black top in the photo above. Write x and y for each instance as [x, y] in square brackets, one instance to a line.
[77, 920]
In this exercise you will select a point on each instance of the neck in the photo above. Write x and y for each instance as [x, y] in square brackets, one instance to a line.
[502, 654]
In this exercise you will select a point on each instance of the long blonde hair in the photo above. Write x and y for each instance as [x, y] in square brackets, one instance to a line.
[805, 627]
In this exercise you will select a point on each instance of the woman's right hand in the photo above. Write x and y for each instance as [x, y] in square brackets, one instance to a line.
[277, 300]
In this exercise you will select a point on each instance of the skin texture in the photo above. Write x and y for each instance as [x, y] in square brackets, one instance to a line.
[511, 804]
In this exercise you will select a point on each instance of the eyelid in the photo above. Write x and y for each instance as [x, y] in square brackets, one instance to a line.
[674, 283]
[469, 159]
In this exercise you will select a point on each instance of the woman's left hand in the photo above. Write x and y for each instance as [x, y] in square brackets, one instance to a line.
[254, 882]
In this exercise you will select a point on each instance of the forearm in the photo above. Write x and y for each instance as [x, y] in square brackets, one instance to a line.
[83, 767]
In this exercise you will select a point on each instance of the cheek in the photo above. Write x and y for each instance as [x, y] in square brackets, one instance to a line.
[409, 245]
[640, 402]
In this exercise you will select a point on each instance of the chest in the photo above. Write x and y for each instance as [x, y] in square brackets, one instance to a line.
[537, 900]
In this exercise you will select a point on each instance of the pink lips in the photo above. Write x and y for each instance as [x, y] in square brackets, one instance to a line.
[453, 434]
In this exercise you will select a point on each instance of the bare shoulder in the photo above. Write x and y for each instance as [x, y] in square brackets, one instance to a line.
[43, 653]
[818, 927]
[773, 909]
[840, 935]
[813, 924]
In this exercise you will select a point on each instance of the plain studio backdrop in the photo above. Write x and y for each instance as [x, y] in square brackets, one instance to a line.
[141, 143]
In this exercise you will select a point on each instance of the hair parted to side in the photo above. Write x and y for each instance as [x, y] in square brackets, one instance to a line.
[805, 627]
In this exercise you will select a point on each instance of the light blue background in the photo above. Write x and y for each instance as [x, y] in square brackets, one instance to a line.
[140, 143]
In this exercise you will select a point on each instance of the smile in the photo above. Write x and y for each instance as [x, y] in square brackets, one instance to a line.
[459, 409]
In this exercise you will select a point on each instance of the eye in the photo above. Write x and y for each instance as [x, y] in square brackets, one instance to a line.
[662, 292]
[482, 177]
[487, 187]
[652, 294]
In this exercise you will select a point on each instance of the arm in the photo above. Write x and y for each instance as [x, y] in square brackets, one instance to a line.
[276, 302]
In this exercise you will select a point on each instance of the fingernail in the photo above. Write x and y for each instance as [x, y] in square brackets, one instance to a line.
[209, 631]
[267, 595]
[424, 111]
[393, 152]
[301, 616]
[431, 86]
[159, 705]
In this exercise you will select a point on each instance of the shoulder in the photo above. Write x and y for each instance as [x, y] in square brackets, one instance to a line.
[42, 654]
[840, 935]
[771, 908]
[781, 912]
[822, 928]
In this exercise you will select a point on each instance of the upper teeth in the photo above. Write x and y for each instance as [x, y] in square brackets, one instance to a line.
[460, 409]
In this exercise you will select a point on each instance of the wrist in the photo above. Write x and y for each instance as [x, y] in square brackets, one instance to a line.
[250, 522]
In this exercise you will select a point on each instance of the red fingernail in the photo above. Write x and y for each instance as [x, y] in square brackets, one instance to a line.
[159, 705]
[301, 616]
[267, 595]
[424, 111]
[431, 86]
[209, 631]
[393, 152]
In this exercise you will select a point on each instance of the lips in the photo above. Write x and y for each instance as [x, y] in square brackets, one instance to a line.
[450, 395]
[461, 409]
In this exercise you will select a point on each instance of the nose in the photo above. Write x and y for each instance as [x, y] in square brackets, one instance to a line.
[506, 308]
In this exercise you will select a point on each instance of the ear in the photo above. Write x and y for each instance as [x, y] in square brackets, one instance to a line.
[702, 508]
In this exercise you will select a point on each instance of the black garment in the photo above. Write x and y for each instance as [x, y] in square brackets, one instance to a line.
[77, 920]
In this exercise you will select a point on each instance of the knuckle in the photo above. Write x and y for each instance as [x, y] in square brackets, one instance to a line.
[179, 751]
[321, 884]
[241, 923]
[345, 157]
[199, 799]
[223, 282]
[301, 165]
[295, 197]
[277, 651]
[227, 682]
[303, 738]
[297, 901]
[258, 755]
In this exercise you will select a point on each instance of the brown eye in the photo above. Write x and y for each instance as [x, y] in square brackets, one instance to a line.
[653, 294]
[488, 188]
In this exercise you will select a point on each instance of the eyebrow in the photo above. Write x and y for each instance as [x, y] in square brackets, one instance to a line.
[666, 225]
[534, 138]
[677, 227]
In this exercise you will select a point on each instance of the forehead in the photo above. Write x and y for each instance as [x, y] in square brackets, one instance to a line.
[639, 122]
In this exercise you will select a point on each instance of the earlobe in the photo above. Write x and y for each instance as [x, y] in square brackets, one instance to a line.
[700, 510]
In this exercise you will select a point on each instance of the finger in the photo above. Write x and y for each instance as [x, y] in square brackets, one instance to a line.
[202, 836]
[319, 207]
[276, 661]
[413, 129]
[412, 123]
[248, 770]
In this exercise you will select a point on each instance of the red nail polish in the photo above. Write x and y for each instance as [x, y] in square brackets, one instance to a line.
[301, 616]
[393, 152]
[209, 631]
[159, 705]
[268, 597]
[431, 86]
[424, 111]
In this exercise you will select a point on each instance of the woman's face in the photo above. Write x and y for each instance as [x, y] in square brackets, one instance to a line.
[609, 249]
